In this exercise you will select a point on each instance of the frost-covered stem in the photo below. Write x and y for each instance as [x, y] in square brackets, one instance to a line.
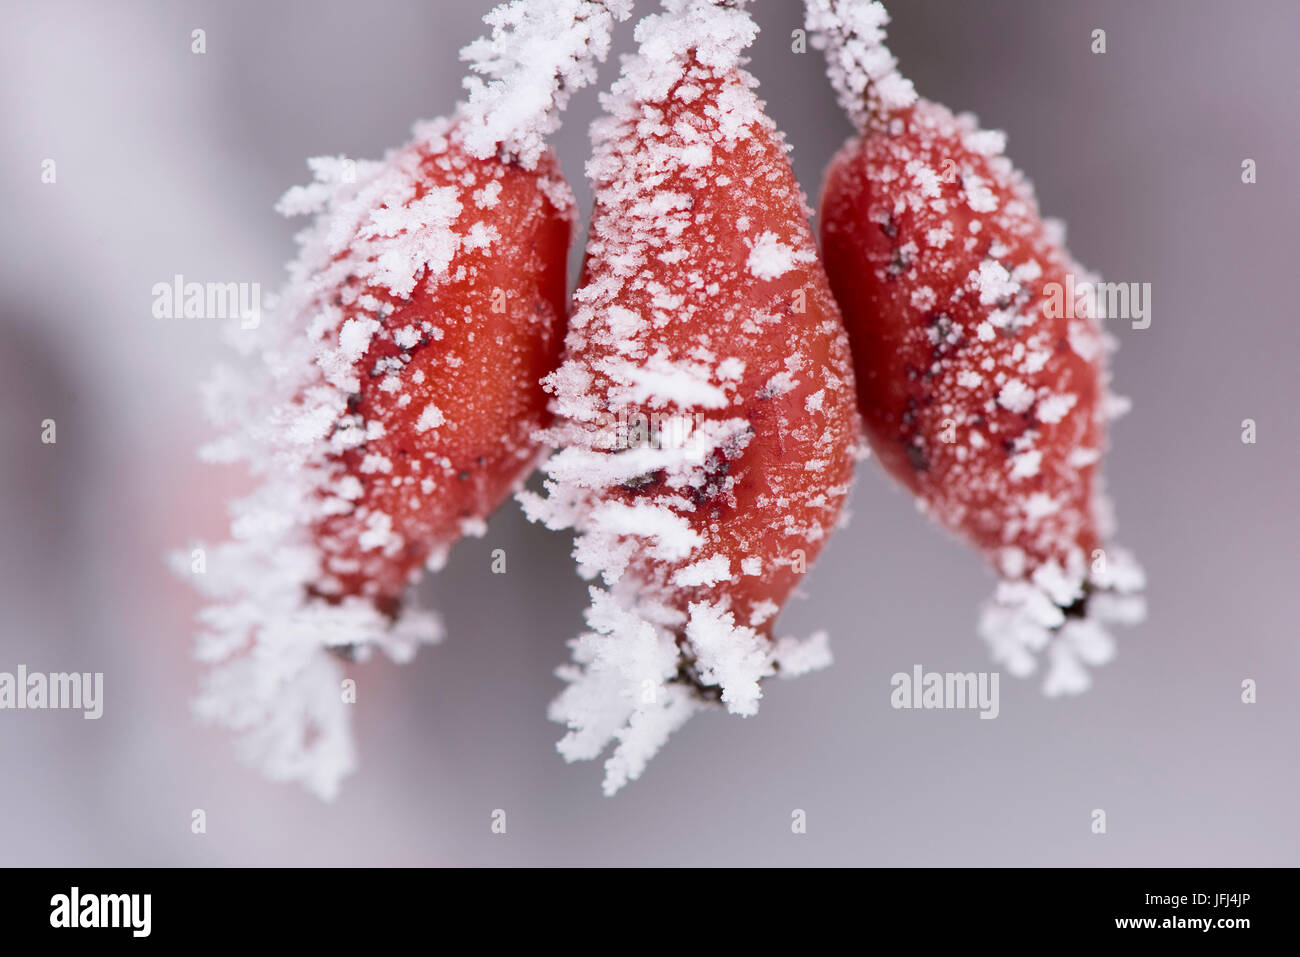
[539, 53]
[862, 71]
[715, 33]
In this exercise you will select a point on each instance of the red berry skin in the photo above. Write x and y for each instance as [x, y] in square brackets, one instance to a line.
[489, 328]
[941, 264]
[765, 502]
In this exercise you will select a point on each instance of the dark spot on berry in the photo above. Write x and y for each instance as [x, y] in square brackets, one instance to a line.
[688, 675]
[1079, 608]
[645, 483]
[716, 468]
[944, 339]
[916, 457]
[909, 414]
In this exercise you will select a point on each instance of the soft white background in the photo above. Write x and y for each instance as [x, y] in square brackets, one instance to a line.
[170, 162]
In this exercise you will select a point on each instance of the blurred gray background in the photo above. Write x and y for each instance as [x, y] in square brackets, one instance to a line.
[169, 162]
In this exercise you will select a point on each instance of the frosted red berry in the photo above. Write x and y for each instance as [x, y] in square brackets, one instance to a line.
[704, 312]
[443, 393]
[982, 382]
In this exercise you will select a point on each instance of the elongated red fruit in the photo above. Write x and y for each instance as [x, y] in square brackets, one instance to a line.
[439, 368]
[707, 424]
[397, 397]
[394, 407]
[982, 390]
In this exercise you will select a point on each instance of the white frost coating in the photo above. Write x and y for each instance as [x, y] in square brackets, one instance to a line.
[979, 197]
[707, 571]
[717, 34]
[771, 258]
[622, 684]
[657, 381]
[1054, 408]
[1039, 505]
[1025, 464]
[794, 657]
[1015, 396]
[1026, 618]
[589, 468]
[729, 656]
[270, 677]
[862, 71]
[993, 282]
[670, 535]
[539, 54]
[430, 418]
[620, 687]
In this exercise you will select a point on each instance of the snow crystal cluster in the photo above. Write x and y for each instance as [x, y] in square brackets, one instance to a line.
[540, 52]
[1035, 614]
